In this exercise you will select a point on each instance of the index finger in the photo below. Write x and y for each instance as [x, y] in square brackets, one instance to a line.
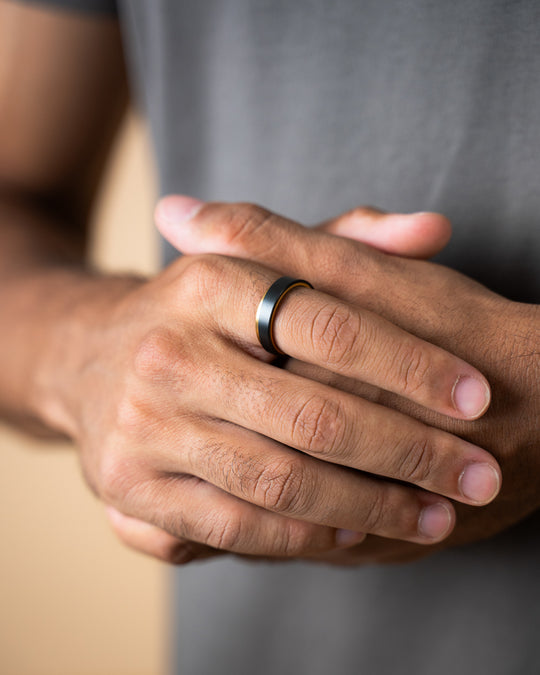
[339, 336]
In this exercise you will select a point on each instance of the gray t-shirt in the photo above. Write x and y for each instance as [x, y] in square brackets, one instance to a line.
[312, 107]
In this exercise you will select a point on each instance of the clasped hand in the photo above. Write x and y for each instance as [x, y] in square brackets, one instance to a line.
[206, 447]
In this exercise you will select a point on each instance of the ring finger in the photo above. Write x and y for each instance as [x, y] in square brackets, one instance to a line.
[280, 480]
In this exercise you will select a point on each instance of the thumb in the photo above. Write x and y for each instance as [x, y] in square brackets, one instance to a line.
[173, 210]
[415, 235]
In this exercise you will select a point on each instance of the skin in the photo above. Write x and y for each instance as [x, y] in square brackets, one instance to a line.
[185, 430]
[501, 337]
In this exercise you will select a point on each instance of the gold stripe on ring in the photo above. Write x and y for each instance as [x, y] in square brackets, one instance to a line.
[266, 311]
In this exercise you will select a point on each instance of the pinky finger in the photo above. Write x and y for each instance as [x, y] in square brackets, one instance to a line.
[191, 509]
[153, 541]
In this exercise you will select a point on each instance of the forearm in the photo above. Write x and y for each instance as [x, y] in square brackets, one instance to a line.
[50, 299]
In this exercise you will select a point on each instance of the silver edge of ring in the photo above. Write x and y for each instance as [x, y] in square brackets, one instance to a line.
[299, 283]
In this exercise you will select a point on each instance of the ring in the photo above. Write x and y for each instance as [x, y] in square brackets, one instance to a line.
[266, 311]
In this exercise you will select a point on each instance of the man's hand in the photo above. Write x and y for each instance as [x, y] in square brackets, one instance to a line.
[183, 423]
[87, 354]
[204, 427]
[438, 304]
[415, 235]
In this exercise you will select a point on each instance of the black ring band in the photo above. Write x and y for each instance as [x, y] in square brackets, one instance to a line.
[266, 311]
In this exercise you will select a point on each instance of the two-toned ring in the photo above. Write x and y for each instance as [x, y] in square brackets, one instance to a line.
[266, 311]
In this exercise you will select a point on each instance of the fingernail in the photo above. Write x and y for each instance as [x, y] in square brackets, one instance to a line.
[435, 521]
[470, 396]
[346, 538]
[480, 483]
[177, 209]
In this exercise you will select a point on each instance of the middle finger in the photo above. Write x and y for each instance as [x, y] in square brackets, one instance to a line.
[345, 429]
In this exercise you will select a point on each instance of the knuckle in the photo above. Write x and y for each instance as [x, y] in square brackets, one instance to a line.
[296, 539]
[241, 221]
[137, 422]
[319, 426]
[223, 532]
[334, 332]
[375, 512]
[161, 357]
[413, 365]
[155, 355]
[130, 417]
[122, 468]
[202, 278]
[116, 477]
[280, 486]
[416, 461]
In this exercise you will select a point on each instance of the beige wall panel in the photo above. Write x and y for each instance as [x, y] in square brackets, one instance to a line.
[73, 600]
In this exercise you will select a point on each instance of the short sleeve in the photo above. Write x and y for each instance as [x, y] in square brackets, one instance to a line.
[91, 6]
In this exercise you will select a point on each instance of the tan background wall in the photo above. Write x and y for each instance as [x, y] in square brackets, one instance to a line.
[74, 601]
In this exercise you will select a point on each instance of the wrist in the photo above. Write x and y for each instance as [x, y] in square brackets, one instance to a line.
[75, 329]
